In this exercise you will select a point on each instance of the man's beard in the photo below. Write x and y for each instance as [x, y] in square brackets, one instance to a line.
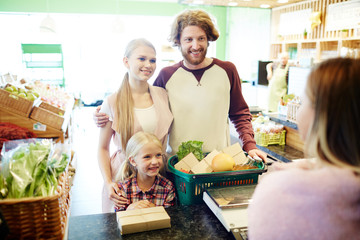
[191, 60]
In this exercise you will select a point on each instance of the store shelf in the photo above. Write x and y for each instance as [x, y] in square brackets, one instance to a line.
[48, 132]
[281, 119]
[44, 62]
[293, 148]
[48, 122]
[318, 49]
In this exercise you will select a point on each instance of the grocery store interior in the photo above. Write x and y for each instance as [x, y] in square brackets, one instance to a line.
[74, 49]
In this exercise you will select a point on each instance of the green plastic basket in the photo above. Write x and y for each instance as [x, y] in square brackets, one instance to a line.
[190, 187]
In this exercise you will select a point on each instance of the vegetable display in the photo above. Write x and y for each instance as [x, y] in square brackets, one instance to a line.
[32, 169]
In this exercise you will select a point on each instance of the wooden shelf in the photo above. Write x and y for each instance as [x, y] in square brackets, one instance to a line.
[49, 132]
[318, 49]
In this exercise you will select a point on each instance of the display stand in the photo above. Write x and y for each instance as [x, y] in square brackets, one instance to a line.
[293, 148]
[47, 132]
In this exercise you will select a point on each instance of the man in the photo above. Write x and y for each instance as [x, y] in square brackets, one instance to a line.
[278, 80]
[203, 92]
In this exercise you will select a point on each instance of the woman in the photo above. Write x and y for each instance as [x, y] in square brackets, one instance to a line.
[317, 198]
[136, 106]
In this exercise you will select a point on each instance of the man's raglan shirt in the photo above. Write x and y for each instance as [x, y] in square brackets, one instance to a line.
[202, 101]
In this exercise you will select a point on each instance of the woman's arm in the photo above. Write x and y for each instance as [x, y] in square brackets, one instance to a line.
[112, 188]
[269, 71]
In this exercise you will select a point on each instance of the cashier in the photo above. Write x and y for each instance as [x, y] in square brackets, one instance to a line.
[277, 75]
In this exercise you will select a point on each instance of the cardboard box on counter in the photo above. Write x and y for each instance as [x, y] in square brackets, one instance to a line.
[140, 220]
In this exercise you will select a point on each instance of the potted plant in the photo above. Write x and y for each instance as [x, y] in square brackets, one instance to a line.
[305, 34]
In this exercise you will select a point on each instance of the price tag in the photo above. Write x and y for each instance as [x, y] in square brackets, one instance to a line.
[39, 127]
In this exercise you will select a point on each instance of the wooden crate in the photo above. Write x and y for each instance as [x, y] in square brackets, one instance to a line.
[47, 117]
[13, 103]
[53, 116]
[26, 122]
[52, 108]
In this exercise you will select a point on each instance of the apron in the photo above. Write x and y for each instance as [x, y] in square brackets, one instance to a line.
[277, 87]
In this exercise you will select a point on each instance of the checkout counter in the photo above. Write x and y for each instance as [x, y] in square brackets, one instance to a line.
[187, 222]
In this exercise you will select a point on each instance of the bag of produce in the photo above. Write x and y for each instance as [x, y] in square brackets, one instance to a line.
[31, 167]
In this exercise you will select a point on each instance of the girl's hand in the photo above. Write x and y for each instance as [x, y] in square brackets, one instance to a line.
[140, 204]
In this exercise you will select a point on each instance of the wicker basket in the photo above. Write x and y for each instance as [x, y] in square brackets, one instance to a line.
[39, 217]
[47, 117]
[18, 105]
[52, 108]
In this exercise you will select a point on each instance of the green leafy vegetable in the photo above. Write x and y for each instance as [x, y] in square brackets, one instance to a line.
[3, 187]
[190, 146]
[32, 170]
[22, 165]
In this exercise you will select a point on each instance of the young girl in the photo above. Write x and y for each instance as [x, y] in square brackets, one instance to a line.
[139, 178]
[136, 106]
[317, 199]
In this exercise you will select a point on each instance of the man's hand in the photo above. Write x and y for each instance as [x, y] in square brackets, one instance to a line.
[256, 152]
[140, 204]
[100, 119]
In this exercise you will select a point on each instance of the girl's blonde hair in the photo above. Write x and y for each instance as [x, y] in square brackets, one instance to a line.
[333, 88]
[125, 104]
[193, 18]
[134, 145]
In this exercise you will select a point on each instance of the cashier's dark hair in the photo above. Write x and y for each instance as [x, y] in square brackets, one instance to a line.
[125, 103]
[333, 88]
[193, 18]
[134, 145]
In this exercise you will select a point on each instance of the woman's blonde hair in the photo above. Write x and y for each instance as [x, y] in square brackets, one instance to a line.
[333, 88]
[193, 18]
[125, 103]
[134, 145]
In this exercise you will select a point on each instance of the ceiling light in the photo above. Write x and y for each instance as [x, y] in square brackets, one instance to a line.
[48, 25]
[264, 5]
[283, 1]
[232, 4]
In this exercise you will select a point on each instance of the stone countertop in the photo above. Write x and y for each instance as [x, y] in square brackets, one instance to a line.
[283, 153]
[282, 120]
[187, 222]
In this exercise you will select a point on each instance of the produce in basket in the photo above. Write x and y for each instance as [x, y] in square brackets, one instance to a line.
[190, 146]
[23, 92]
[53, 95]
[222, 162]
[231, 158]
[32, 168]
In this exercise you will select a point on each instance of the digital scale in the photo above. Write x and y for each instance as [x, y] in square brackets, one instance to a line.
[229, 204]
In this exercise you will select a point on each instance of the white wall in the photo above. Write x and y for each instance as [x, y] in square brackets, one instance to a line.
[93, 46]
[248, 41]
